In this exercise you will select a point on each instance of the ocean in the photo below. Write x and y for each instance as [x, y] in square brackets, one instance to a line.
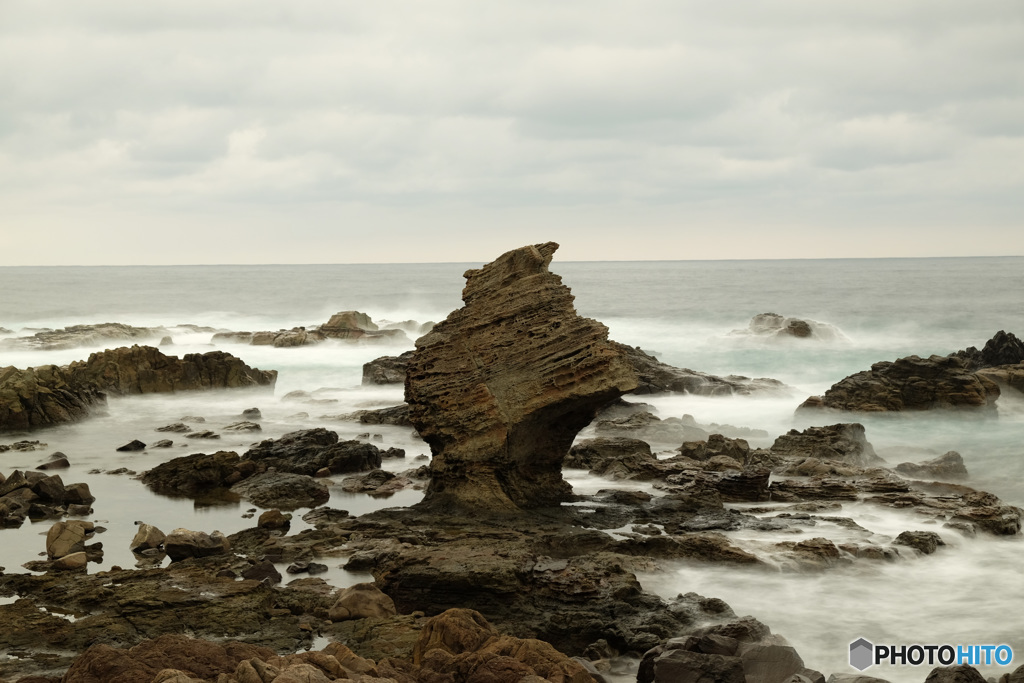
[685, 312]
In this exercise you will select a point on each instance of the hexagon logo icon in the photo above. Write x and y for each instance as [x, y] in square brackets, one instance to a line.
[862, 654]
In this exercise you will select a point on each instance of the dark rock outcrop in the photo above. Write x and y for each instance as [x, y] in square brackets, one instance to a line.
[965, 379]
[74, 336]
[946, 467]
[356, 326]
[49, 394]
[309, 450]
[656, 377]
[1004, 348]
[282, 490]
[501, 387]
[387, 369]
[846, 443]
[190, 475]
[773, 325]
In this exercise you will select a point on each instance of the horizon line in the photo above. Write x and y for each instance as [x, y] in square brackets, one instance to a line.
[424, 263]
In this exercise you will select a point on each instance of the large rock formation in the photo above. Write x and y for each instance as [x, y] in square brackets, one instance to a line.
[656, 377]
[502, 386]
[50, 394]
[966, 379]
[910, 383]
[74, 336]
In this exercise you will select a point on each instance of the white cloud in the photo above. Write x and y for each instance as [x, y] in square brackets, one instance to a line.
[478, 118]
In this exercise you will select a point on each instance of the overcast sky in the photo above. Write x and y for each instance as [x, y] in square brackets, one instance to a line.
[332, 132]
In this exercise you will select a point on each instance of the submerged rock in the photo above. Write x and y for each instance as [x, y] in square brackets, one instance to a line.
[502, 386]
[773, 325]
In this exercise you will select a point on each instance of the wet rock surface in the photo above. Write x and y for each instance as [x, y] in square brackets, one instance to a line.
[49, 394]
[308, 451]
[387, 369]
[75, 336]
[968, 379]
[501, 387]
[656, 377]
[775, 326]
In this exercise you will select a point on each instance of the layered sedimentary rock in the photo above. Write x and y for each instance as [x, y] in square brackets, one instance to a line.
[51, 394]
[502, 386]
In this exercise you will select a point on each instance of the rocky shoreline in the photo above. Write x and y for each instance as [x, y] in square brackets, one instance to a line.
[502, 572]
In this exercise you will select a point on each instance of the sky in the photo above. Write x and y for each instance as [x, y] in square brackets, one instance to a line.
[321, 131]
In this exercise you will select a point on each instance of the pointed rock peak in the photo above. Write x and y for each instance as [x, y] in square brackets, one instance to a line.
[501, 388]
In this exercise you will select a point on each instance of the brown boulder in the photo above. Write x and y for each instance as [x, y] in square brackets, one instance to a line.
[200, 658]
[463, 642]
[65, 538]
[502, 386]
[361, 601]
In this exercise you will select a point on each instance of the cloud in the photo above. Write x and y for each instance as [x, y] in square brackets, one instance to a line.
[814, 116]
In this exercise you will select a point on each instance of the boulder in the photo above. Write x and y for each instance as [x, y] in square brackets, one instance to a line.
[243, 426]
[177, 427]
[925, 541]
[616, 457]
[71, 561]
[361, 601]
[263, 571]
[252, 414]
[132, 446]
[189, 475]
[845, 442]
[146, 538]
[65, 538]
[310, 450]
[57, 461]
[181, 544]
[716, 445]
[773, 325]
[78, 494]
[274, 519]
[387, 369]
[463, 643]
[911, 383]
[947, 467]
[501, 387]
[282, 490]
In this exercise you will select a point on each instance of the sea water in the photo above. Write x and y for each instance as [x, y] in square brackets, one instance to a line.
[686, 312]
